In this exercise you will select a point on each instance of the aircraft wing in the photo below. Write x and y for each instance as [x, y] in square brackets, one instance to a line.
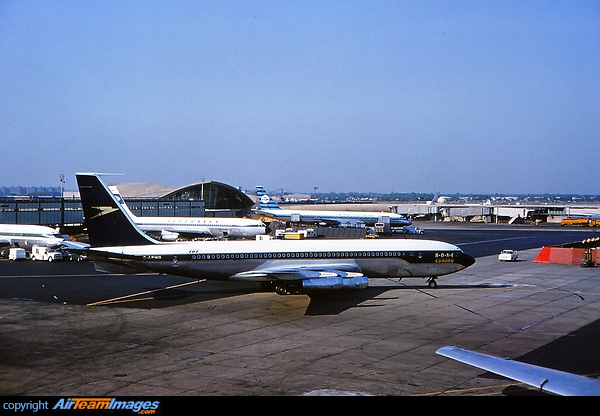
[74, 245]
[291, 274]
[194, 233]
[172, 235]
[343, 223]
[308, 277]
[546, 379]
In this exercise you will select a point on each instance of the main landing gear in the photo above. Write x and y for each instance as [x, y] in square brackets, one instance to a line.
[432, 283]
[281, 288]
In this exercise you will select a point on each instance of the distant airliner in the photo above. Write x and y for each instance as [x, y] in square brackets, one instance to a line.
[298, 266]
[269, 208]
[26, 236]
[171, 228]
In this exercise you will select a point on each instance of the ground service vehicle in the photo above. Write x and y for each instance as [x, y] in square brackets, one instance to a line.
[508, 255]
[411, 229]
[17, 254]
[45, 254]
[575, 221]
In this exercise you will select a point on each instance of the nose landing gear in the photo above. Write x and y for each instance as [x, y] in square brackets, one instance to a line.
[430, 282]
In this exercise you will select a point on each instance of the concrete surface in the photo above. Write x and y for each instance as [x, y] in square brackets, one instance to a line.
[225, 341]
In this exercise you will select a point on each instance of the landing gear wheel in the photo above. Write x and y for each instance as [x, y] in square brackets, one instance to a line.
[281, 290]
[432, 283]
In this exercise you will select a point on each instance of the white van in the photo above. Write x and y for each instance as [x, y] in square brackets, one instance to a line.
[17, 254]
[45, 253]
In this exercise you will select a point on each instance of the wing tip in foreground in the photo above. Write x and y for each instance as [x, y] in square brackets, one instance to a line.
[545, 379]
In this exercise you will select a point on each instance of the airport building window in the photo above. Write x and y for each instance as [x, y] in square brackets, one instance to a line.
[215, 195]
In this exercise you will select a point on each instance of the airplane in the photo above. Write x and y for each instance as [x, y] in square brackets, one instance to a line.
[545, 379]
[171, 228]
[26, 236]
[288, 267]
[269, 208]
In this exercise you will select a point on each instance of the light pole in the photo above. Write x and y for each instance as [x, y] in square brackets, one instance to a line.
[62, 200]
[62, 183]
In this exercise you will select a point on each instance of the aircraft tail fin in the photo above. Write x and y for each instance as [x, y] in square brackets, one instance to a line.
[121, 201]
[107, 222]
[265, 200]
[434, 199]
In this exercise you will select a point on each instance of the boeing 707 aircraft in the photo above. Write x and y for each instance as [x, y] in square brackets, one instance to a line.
[288, 267]
[269, 208]
[171, 228]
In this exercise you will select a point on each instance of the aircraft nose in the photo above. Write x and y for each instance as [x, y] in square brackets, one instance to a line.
[466, 260]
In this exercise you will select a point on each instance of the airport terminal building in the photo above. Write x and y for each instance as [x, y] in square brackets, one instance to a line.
[203, 199]
[217, 199]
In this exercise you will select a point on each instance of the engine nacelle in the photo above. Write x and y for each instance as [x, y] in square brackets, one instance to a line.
[323, 283]
[357, 281]
[168, 235]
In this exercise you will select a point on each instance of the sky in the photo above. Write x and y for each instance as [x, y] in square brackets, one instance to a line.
[369, 96]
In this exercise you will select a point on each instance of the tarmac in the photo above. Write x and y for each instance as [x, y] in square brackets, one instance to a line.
[231, 340]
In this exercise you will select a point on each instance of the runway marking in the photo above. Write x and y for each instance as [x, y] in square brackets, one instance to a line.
[548, 318]
[492, 241]
[127, 298]
[50, 276]
[475, 313]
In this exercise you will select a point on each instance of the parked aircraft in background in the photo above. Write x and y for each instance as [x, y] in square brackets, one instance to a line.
[545, 379]
[171, 228]
[26, 236]
[117, 244]
[269, 208]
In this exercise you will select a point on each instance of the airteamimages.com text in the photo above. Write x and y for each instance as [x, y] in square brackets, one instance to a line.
[143, 407]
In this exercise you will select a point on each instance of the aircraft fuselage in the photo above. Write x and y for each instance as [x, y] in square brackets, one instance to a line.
[223, 260]
[26, 236]
[367, 218]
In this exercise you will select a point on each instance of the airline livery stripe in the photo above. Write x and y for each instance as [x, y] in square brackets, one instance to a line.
[410, 257]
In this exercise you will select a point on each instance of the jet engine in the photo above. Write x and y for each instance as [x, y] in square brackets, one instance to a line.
[168, 235]
[331, 281]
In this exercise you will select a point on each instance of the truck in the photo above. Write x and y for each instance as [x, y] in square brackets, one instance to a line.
[582, 221]
[295, 234]
[575, 221]
[45, 254]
